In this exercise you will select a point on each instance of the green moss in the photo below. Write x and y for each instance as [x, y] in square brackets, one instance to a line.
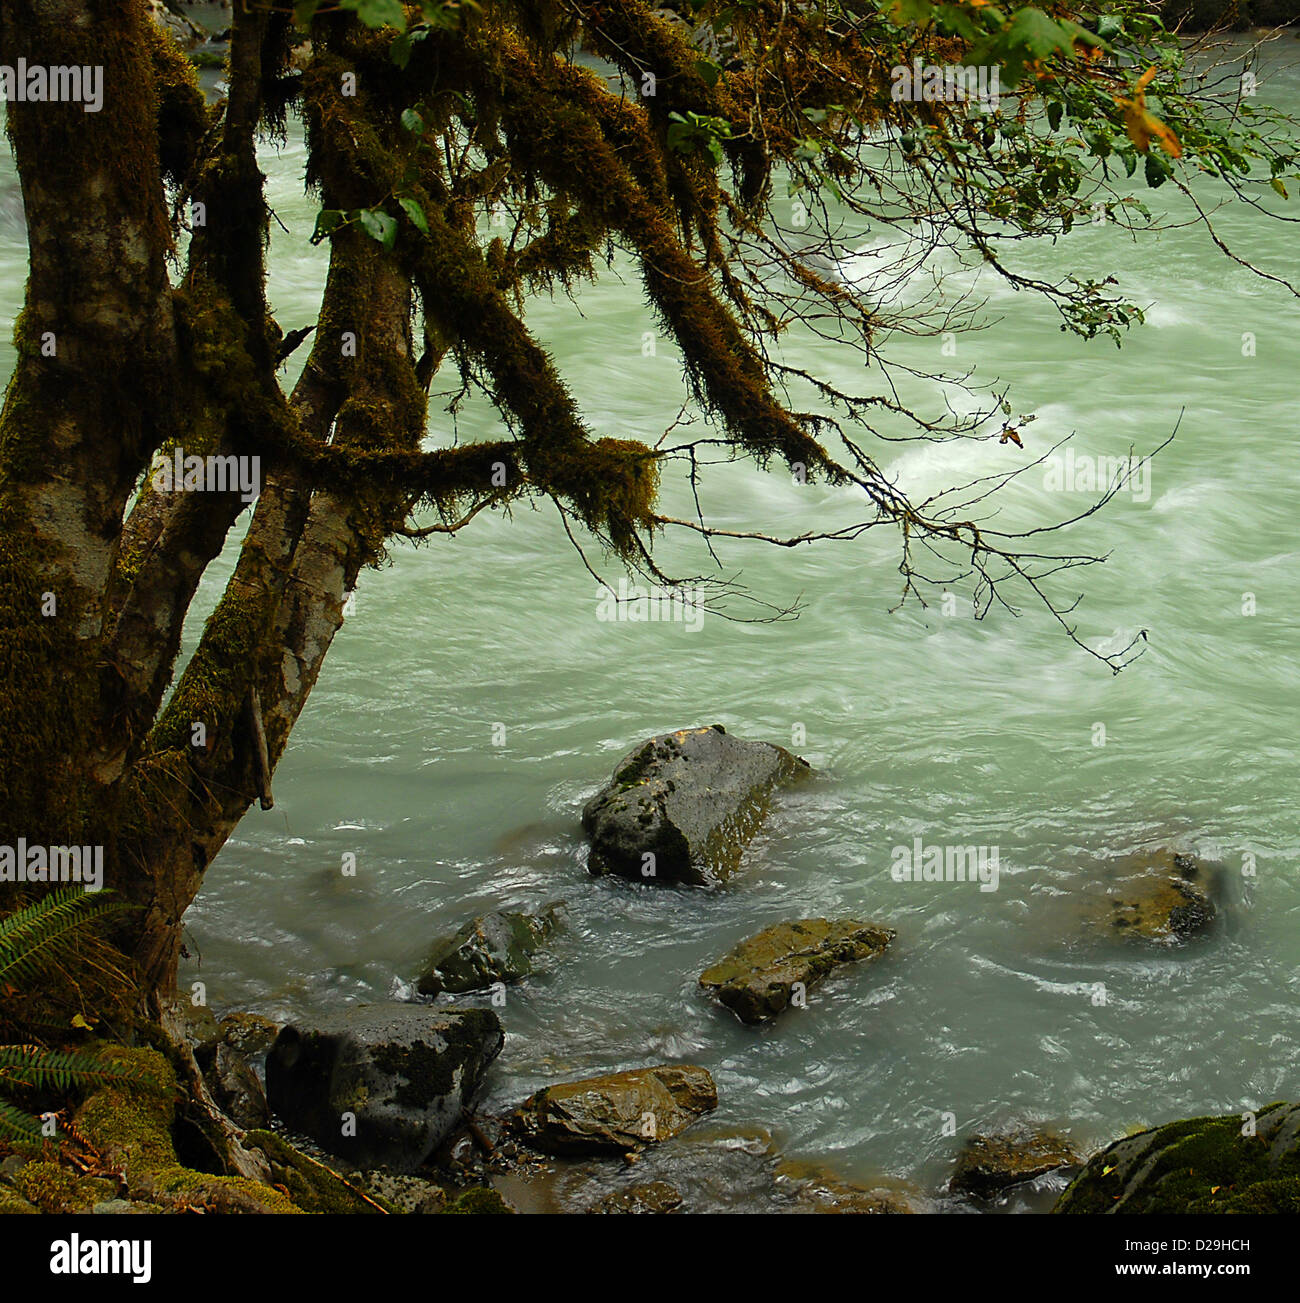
[1198, 1165]
[480, 1199]
[55, 1189]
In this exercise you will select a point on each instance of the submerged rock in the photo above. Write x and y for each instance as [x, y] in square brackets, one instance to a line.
[619, 1113]
[988, 1165]
[382, 1085]
[683, 806]
[496, 947]
[757, 980]
[650, 1197]
[1202, 1165]
[1160, 895]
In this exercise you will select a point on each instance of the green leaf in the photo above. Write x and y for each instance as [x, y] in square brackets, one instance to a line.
[328, 220]
[1156, 171]
[1276, 183]
[412, 121]
[379, 226]
[415, 213]
[303, 12]
[1054, 111]
[709, 72]
[378, 13]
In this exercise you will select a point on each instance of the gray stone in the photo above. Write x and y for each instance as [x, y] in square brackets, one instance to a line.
[496, 947]
[987, 1165]
[690, 800]
[404, 1073]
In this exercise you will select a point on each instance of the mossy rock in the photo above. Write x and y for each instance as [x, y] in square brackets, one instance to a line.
[482, 1199]
[989, 1164]
[619, 1113]
[248, 1034]
[683, 806]
[1199, 1165]
[757, 979]
[12, 1202]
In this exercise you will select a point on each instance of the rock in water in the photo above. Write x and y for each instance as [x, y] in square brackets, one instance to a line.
[496, 947]
[988, 1165]
[404, 1072]
[757, 979]
[1160, 895]
[618, 1113]
[651, 1197]
[1202, 1165]
[683, 806]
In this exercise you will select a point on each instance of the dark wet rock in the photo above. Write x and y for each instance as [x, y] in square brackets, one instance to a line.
[987, 1165]
[312, 1185]
[650, 1197]
[1161, 895]
[248, 1034]
[1201, 1165]
[496, 947]
[757, 979]
[402, 1074]
[690, 800]
[237, 1090]
[619, 1113]
[183, 30]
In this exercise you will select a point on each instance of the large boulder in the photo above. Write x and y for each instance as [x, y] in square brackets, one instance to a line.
[757, 980]
[683, 806]
[381, 1085]
[619, 1113]
[987, 1165]
[496, 947]
[1203, 1165]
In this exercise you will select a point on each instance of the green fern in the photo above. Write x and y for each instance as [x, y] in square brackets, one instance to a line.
[34, 938]
[33, 941]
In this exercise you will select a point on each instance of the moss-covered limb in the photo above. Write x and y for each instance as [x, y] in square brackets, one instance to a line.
[130, 1126]
[565, 147]
[313, 1187]
[183, 115]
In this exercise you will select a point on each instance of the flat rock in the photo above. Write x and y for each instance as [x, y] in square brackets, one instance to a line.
[496, 947]
[990, 1164]
[619, 1113]
[402, 1073]
[1200, 1165]
[757, 980]
[683, 806]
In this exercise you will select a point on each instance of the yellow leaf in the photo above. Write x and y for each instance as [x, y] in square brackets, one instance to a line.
[1142, 126]
[79, 1021]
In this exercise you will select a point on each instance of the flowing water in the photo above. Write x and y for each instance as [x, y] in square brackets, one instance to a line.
[473, 701]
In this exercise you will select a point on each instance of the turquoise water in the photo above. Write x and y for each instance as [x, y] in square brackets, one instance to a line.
[918, 723]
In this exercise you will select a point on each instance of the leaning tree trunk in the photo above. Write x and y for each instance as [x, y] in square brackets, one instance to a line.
[97, 568]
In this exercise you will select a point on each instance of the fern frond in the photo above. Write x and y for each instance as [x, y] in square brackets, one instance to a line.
[33, 938]
[35, 1068]
[18, 1128]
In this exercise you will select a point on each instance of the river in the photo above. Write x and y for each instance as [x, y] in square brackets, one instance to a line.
[917, 722]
